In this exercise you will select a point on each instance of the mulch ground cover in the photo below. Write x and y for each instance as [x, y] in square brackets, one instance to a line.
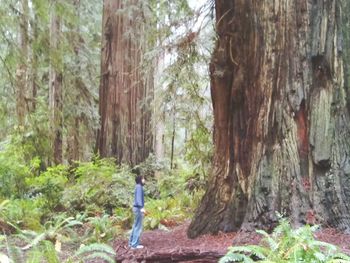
[174, 245]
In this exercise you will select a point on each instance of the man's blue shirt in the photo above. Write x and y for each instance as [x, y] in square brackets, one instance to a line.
[139, 196]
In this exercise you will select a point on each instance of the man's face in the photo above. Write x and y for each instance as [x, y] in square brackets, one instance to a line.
[143, 181]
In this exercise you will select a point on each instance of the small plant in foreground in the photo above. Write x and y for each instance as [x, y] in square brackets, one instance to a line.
[287, 245]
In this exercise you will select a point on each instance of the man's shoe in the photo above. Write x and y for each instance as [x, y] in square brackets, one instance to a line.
[137, 247]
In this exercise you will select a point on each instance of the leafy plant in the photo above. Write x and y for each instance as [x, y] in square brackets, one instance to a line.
[50, 185]
[53, 230]
[96, 250]
[102, 228]
[99, 185]
[24, 213]
[287, 245]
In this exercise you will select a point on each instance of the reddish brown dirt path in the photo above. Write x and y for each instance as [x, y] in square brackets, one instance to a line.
[174, 246]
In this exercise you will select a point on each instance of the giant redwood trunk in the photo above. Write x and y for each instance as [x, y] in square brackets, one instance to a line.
[282, 134]
[125, 92]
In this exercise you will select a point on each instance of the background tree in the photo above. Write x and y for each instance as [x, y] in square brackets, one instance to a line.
[280, 116]
[55, 84]
[22, 98]
[26, 60]
[125, 92]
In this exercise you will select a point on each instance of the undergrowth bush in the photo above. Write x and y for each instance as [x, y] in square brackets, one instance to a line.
[50, 185]
[99, 186]
[24, 213]
[286, 244]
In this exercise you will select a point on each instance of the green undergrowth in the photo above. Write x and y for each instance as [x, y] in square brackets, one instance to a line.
[287, 245]
[85, 204]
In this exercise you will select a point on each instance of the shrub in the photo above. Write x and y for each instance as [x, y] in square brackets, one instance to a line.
[287, 245]
[49, 185]
[99, 186]
[24, 213]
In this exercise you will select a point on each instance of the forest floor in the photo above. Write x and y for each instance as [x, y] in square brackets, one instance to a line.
[175, 246]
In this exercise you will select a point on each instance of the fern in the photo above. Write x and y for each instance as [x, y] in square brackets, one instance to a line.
[235, 257]
[50, 252]
[95, 247]
[101, 255]
[288, 245]
[96, 250]
[257, 251]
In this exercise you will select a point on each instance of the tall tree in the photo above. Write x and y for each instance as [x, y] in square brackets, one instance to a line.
[124, 106]
[55, 84]
[22, 70]
[280, 116]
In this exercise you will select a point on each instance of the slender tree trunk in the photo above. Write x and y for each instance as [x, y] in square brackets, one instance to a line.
[55, 85]
[73, 145]
[125, 93]
[34, 66]
[280, 115]
[173, 139]
[22, 70]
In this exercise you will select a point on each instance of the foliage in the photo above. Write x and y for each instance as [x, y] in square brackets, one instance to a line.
[96, 250]
[13, 170]
[99, 185]
[78, 56]
[170, 201]
[54, 229]
[49, 184]
[24, 213]
[102, 229]
[287, 245]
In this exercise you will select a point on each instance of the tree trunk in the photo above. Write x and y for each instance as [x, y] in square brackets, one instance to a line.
[73, 134]
[125, 93]
[280, 116]
[55, 86]
[173, 137]
[34, 65]
[22, 70]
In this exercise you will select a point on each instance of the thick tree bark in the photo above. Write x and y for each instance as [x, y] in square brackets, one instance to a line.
[55, 86]
[125, 92]
[280, 116]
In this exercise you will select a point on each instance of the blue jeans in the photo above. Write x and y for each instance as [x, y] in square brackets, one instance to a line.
[134, 240]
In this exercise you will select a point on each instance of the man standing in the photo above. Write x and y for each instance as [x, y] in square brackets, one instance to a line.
[138, 209]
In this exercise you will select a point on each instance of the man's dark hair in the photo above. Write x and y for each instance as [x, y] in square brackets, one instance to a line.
[136, 171]
[138, 179]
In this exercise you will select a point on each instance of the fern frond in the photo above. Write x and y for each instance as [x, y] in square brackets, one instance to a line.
[95, 247]
[339, 261]
[341, 256]
[50, 252]
[324, 244]
[320, 256]
[15, 253]
[254, 250]
[101, 255]
[35, 242]
[34, 256]
[235, 257]
[271, 242]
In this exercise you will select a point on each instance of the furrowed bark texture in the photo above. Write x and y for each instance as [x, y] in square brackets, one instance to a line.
[125, 93]
[281, 118]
